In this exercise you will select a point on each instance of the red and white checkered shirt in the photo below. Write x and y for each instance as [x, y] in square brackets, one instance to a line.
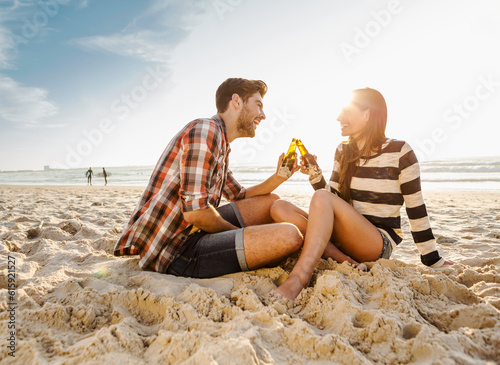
[191, 174]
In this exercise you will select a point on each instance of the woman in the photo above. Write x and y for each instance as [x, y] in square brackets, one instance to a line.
[372, 177]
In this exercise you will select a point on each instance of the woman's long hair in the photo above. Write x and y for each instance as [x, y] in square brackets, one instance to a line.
[373, 134]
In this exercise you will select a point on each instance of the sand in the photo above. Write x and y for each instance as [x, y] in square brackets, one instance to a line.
[77, 303]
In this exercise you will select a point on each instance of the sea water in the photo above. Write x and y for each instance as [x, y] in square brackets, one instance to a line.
[470, 174]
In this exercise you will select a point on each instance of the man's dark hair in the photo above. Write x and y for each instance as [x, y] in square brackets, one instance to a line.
[243, 87]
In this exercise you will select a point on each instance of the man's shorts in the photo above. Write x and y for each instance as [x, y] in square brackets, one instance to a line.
[207, 255]
[386, 248]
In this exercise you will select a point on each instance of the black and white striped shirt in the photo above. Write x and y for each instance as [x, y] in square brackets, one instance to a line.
[381, 185]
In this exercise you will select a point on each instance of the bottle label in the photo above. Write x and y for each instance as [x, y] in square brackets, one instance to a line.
[315, 179]
[285, 172]
[314, 171]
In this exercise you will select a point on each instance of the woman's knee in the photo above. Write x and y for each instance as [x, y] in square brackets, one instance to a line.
[291, 235]
[322, 194]
[268, 200]
[322, 197]
[273, 197]
[279, 209]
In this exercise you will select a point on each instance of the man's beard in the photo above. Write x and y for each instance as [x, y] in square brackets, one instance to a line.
[244, 124]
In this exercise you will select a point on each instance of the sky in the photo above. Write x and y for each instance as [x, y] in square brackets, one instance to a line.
[110, 82]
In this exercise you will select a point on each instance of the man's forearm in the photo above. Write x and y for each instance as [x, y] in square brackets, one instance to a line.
[208, 220]
[265, 187]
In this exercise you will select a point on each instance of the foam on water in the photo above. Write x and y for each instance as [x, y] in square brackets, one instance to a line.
[470, 174]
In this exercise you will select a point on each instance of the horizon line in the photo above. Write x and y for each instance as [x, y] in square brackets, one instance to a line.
[48, 168]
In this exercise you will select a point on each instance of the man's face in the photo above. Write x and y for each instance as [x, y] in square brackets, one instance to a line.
[252, 113]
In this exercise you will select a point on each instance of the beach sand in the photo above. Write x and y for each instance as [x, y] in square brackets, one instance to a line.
[77, 303]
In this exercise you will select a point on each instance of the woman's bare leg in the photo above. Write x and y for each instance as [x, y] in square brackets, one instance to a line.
[283, 211]
[336, 254]
[328, 213]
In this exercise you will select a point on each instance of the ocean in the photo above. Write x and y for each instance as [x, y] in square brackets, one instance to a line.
[471, 174]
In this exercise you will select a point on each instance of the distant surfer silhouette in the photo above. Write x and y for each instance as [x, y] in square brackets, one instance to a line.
[105, 175]
[89, 174]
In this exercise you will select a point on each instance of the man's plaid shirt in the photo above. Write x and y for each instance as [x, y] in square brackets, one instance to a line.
[191, 174]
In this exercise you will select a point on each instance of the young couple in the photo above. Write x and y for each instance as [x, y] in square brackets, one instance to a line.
[179, 228]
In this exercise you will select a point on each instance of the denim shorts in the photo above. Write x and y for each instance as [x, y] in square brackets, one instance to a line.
[386, 247]
[207, 255]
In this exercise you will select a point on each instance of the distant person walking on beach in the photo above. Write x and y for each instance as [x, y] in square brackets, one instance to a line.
[105, 175]
[89, 174]
[178, 226]
[359, 209]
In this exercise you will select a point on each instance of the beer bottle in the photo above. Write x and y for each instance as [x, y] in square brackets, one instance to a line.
[286, 167]
[315, 173]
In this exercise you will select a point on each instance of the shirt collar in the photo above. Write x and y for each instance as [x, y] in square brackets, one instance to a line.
[218, 119]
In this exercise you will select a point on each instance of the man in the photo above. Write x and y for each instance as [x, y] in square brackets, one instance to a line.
[89, 174]
[177, 226]
[105, 174]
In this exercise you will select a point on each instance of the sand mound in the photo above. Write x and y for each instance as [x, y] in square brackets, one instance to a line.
[76, 303]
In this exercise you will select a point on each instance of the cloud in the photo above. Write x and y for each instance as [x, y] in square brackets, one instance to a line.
[84, 4]
[172, 14]
[21, 21]
[24, 106]
[144, 45]
[11, 13]
[7, 47]
[153, 34]
[12, 5]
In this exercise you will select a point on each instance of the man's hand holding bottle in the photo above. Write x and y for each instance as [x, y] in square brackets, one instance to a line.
[287, 164]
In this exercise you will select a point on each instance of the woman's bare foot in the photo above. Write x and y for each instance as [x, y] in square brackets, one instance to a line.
[336, 254]
[291, 288]
[361, 267]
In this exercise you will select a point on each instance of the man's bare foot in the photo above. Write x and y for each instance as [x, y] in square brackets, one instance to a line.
[291, 288]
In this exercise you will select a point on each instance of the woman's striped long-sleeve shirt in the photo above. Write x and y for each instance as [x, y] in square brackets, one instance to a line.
[381, 185]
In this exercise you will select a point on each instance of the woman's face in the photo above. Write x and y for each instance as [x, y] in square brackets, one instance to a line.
[353, 120]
